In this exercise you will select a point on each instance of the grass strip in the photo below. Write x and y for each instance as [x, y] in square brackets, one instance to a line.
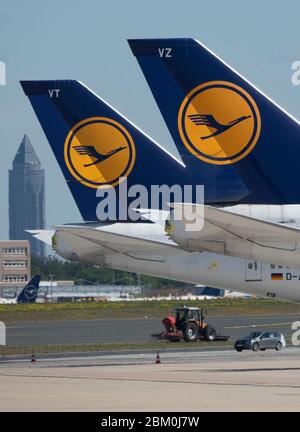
[110, 347]
[139, 309]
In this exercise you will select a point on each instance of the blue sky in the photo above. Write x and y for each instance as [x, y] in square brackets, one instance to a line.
[87, 41]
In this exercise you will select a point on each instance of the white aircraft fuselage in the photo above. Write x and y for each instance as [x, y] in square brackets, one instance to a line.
[84, 243]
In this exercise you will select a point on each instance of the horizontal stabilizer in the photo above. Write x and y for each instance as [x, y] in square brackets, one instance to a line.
[43, 235]
[231, 234]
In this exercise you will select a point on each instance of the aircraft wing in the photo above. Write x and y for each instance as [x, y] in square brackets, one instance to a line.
[227, 233]
[90, 242]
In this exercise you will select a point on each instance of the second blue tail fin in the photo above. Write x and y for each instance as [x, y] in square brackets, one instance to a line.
[219, 120]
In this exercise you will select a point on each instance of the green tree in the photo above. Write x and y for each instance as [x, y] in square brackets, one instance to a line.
[87, 273]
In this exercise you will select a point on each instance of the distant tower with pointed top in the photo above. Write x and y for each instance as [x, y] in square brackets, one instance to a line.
[27, 196]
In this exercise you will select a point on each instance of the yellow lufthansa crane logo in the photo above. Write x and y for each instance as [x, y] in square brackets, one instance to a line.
[219, 122]
[98, 151]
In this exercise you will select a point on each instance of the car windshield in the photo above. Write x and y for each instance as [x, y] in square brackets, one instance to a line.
[253, 335]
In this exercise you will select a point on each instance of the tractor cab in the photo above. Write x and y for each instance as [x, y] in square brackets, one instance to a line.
[190, 321]
[184, 315]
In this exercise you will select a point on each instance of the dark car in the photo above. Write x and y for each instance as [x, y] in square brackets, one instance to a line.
[262, 341]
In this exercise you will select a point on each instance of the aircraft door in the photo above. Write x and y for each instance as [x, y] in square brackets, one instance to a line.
[253, 271]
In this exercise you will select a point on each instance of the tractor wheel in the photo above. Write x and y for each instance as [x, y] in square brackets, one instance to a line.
[210, 334]
[190, 332]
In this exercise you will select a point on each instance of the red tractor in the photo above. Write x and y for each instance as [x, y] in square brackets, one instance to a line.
[188, 324]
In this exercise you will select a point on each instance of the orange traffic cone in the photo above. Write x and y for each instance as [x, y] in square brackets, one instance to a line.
[33, 359]
[157, 361]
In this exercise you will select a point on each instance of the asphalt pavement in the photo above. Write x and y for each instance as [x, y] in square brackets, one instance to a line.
[131, 330]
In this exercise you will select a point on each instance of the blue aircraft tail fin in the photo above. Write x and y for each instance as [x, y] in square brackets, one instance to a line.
[30, 292]
[219, 120]
[95, 146]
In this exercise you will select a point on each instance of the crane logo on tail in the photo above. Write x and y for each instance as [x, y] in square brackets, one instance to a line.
[98, 152]
[30, 292]
[219, 122]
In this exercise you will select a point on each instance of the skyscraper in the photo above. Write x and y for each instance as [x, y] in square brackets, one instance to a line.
[27, 196]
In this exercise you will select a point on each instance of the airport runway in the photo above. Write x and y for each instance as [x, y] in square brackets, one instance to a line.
[194, 381]
[130, 330]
